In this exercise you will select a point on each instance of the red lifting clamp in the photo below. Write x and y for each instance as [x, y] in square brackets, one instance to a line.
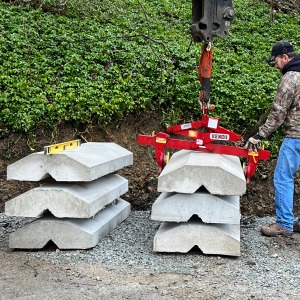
[210, 140]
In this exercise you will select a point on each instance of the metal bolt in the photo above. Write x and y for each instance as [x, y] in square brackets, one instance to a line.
[228, 13]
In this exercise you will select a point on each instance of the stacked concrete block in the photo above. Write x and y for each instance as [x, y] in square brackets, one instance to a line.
[199, 204]
[221, 239]
[190, 170]
[178, 207]
[68, 200]
[85, 163]
[84, 201]
[70, 233]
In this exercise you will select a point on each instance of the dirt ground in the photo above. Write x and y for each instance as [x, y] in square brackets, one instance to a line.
[21, 278]
[142, 175]
[37, 279]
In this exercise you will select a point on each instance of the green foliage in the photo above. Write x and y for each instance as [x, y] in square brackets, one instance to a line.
[243, 84]
[87, 68]
[91, 62]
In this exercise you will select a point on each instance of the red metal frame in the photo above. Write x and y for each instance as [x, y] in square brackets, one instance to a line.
[203, 141]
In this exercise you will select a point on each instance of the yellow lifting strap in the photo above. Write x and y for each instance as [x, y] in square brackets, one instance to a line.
[55, 148]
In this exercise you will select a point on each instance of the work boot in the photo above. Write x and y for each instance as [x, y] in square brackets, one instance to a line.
[274, 230]
[296, 227]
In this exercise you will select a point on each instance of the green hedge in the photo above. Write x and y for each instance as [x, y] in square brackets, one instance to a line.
[92, 62]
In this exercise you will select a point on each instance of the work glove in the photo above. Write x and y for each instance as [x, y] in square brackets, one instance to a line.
[253, 143]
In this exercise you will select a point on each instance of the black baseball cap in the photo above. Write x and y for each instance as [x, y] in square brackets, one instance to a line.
[279, 48]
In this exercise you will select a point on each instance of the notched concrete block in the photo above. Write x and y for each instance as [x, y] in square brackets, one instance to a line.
[85, 163]
[68, 200]
[209, 208]
[188, 170]
[70, 233]
[220, 239]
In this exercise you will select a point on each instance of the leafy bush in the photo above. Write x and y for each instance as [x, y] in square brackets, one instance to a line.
[94, 62]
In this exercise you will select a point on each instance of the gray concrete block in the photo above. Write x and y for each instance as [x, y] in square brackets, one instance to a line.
[188, 170]
[70, 233]
[85, 163]
[68, 200]
[220, 239]
[209, 208]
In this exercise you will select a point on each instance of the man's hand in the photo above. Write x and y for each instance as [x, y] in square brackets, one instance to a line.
[253, 143]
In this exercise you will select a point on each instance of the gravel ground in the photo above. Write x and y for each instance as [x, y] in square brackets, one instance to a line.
[268, 268]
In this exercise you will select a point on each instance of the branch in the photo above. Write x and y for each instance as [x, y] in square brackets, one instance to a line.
[260, 122]
[287, 6]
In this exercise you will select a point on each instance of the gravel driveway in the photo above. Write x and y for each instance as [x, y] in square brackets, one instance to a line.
[123, 266]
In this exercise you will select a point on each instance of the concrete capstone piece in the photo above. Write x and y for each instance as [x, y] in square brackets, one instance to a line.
[219, 239]
[68, 200]
[188, 170]
[209, 208]
[85, 163]
[70, 233]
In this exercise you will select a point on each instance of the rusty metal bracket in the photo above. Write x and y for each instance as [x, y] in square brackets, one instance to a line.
[211, 18]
